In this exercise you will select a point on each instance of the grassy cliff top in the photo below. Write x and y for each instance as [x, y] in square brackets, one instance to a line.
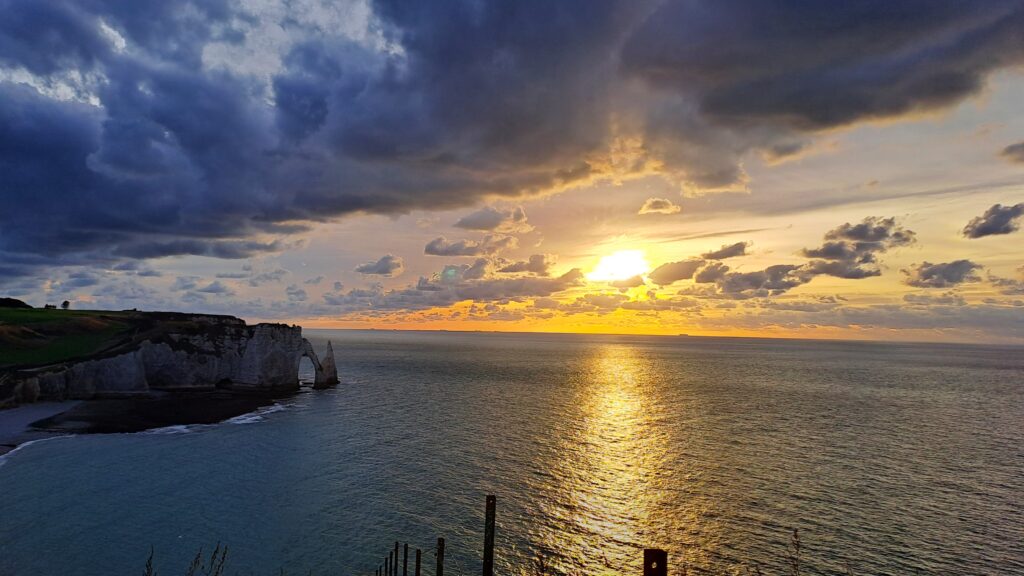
[38, 337]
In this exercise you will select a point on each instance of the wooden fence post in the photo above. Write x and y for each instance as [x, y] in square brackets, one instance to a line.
[417, 562]
[655, 562]
[489, 537]
[394, 565]
[387, 564]
[440, 557]
[405, 560]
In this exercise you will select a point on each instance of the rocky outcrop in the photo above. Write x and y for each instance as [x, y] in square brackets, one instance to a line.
[327, 375]
[203, 353]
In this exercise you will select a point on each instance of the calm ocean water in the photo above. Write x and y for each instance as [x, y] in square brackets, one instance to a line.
[891, 458]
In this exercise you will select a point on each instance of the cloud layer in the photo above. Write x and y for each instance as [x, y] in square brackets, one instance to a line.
[387, 266]
[142, 130]
[998, 219]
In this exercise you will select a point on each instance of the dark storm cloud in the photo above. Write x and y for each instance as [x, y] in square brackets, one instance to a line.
[627, 283]
[675, 271]
[232, 250]
[998, 219]
[128, 291]
[264, 277]
[452, 285]
[488, 246]
[216, 287]
[727, 251]
[851, 250]
[81, 280]
[295, 294]
[710, 273]
[386, 266]
[814, 65]
[45, 37]
[1014, 153]
[944, 275]
[1009, 286]
[160, 155]
[772, 281]
[539, 264]
[495, 220]
[945, 299]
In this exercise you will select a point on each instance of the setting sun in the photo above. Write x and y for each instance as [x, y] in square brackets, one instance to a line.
[620, 266]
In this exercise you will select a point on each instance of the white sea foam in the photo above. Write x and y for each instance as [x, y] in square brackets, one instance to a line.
[177, 429]
[20, 447]
[256, 416]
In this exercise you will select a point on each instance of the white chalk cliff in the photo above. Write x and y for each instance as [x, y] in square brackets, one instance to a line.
[207, 352]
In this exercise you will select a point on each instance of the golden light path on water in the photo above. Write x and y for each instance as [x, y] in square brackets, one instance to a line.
[612, 467]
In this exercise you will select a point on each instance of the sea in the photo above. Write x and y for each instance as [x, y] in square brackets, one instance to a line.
[884, 458]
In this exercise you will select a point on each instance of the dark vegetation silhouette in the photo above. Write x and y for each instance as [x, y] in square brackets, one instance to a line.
[216, 565]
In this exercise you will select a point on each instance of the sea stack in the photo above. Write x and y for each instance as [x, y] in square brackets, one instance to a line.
[327, 374]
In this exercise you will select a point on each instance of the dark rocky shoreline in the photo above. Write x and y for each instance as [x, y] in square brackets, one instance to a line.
[127, 415]
[139, 414]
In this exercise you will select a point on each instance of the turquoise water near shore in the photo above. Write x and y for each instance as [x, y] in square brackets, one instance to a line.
[892, 458]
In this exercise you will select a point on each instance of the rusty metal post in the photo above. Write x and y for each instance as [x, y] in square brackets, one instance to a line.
[417, 562]
[655, 562]
[489, 537]
[440, 557]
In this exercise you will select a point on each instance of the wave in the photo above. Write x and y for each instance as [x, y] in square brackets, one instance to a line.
[249, 418]
[4, 457]
[176, 429]
[256, 416]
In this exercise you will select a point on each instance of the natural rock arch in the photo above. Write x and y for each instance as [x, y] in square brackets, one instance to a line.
[325, 372]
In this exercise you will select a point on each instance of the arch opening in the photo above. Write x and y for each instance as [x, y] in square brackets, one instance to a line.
[307, 371]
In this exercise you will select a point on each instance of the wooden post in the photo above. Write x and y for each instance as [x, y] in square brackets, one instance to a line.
[405, 560]
[655, 562]
[387, 564]
[489, 537]
[417, 562]
[394, 566]
[440, 557]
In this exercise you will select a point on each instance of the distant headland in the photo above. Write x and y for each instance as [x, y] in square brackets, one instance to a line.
[146, 369]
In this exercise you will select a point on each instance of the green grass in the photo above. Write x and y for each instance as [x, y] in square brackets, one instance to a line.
[39, 336]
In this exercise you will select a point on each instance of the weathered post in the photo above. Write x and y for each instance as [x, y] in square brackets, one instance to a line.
[417, 562]
[655, 562]
[394, 566]
[489, 537]
[440, 557]
[405, 560]
[387, 564]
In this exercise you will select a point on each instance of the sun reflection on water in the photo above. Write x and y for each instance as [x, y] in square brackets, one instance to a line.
[612, 482]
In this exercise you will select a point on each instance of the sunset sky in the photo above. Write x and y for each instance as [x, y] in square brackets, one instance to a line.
[790, 169]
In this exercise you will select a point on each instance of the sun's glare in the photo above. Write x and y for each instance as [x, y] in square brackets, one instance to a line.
[621, 265]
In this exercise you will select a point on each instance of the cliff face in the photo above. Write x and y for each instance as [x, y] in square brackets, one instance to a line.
[203, 353]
